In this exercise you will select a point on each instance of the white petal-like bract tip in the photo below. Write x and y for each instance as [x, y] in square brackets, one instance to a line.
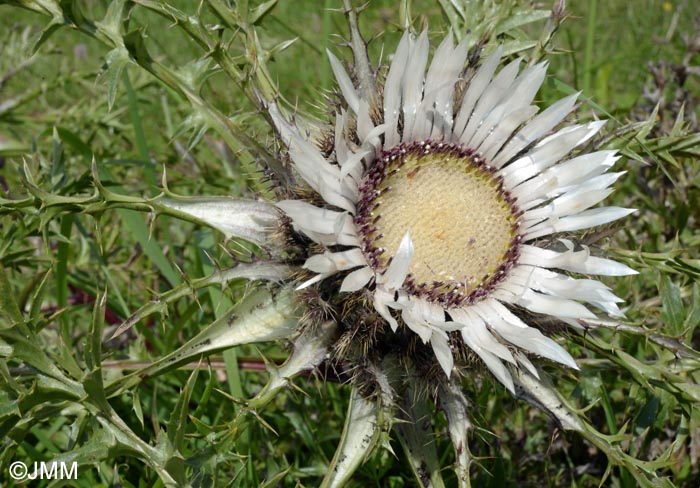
[357, 279]
[398, 269]
[345, 83]
[442, 351]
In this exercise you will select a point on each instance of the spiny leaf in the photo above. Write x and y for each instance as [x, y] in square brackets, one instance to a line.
[418, 438]
[543, 396]
[360, 434]
[177, 425]
[110, 25]
[97, 447]
[310, 349]
[249, 271]
[117, 59]
[259, 317]
[455, 405]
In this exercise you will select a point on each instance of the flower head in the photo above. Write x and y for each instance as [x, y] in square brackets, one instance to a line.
[429, 233]
[440, 198]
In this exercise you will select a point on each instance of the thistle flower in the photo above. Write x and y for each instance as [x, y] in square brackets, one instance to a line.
[439, 202]
[429, 231]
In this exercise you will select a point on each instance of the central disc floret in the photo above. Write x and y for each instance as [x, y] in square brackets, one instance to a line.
[462, 223]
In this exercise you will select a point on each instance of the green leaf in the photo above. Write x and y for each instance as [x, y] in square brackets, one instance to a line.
[177, 424]
[134, 222]
[259, 12]
[5, 351]
[8, 301]
[110, 25]
[47, 32]
[98, 447]
[692, 319]
[138, 410]
[648, 415]
[93, 347]
[12, 148]
[521, 18]
[116, 61]
[61, 268]
[37, 299]
[454, 13]
[673, 314]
